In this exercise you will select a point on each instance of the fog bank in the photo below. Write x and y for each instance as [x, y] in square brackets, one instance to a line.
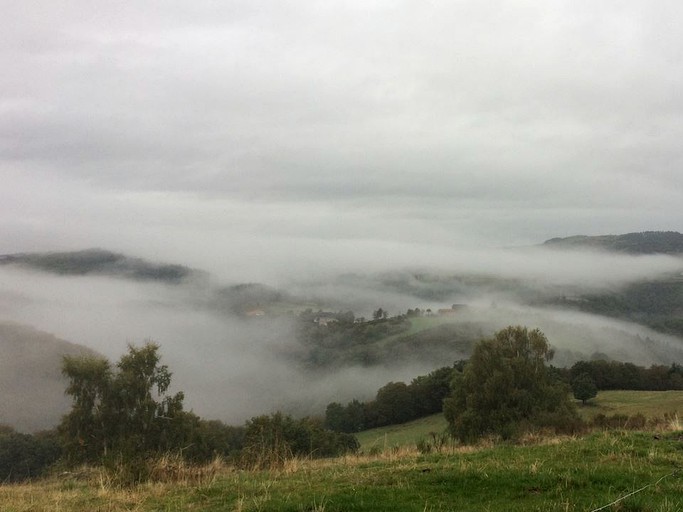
[232, 367]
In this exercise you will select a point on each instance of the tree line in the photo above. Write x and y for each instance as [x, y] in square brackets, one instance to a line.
[492, 373]
[394, 403]
[617, 375]
[123, 416]
[505, 386]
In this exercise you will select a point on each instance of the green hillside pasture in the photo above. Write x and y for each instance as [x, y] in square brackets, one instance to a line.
[407, 434]
[427, 338]
[417, 325]
[560, 474]
[651, 404]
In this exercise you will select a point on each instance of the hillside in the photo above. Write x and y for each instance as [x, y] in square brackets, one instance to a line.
[433, 341]
[654, 405]
[657, 304]
[393, 341]
[646, 242]
[559, 474]
[31, 384]
[287, 328]
[98, 262]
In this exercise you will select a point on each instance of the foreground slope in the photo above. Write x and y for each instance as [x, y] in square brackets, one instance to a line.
[558, 474]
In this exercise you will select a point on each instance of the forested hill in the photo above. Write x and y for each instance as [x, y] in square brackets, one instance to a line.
[647, 242]
[99, 262]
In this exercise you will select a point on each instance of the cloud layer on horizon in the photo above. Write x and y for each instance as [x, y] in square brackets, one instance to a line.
[154, 128]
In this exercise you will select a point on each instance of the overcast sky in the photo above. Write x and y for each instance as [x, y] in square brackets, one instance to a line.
[264, 131]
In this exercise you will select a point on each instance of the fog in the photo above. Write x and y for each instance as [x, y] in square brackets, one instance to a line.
[352, 154]
[220, 134]
[232, 368]
[229, 367]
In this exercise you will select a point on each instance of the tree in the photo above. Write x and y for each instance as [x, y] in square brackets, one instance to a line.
[124, 412]
[271, 440]
[430, 390]
[584, 388]
[336, 418]
[87, 429]
[506, 387]
[394, 404]
[145, 413]
[24, 456]
[379, 314]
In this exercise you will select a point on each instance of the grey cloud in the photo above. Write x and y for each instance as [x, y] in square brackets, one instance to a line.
[488, 119]
[288, 142]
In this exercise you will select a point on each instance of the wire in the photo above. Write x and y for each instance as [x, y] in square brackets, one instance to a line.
[634, 492]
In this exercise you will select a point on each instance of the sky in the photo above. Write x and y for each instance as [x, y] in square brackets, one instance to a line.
[309, 135]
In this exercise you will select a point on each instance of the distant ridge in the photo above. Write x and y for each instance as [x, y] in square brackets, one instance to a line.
[646, 242]
[98, 262]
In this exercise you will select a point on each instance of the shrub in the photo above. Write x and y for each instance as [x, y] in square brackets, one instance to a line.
[619, 421]
[24, 456]
[271, 440]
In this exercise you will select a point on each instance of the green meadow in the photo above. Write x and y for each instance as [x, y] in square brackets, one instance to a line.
[611, 470]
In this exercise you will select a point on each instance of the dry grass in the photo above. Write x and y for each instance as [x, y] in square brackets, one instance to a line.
[55, 495]
[99, 489]
[674, 422]
[173, 469]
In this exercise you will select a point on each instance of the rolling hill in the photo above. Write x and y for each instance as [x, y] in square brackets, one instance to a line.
[99, 262]
[31, 384]
[646, 242]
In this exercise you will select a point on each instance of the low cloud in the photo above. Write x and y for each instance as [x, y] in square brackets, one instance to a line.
[233, 368]
[319, 148]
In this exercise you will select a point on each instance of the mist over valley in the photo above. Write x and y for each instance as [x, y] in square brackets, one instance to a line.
[239, 349]
[250, 184]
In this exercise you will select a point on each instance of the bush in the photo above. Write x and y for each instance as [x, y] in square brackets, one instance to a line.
[619, 421]
[24, 456]
[271, 440]
[436, 442]
[213, 438]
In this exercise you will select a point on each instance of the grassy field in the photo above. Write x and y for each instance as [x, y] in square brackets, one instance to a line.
[558, 474]
[401, 435]
[652, 404]
[649, 403]
[568, 474]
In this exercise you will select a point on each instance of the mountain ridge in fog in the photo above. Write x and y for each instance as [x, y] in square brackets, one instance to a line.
[644, 242]
[96, 261]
